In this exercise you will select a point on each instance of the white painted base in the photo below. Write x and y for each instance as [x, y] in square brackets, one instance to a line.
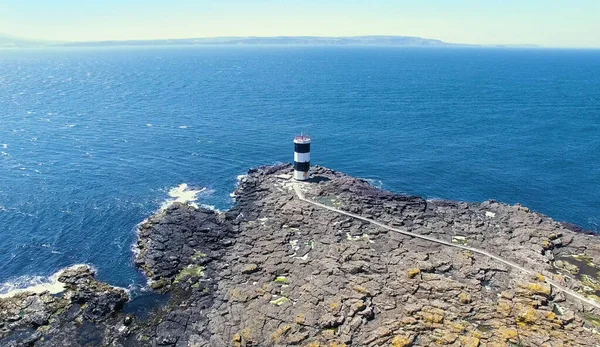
[301, 175]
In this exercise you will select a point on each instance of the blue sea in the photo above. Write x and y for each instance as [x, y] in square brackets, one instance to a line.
[92, 140]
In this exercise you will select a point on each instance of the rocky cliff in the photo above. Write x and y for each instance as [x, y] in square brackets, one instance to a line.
[276, 270]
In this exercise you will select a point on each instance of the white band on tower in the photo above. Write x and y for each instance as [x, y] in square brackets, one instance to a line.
[301, 157]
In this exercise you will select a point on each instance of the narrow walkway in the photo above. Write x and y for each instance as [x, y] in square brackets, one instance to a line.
[567, 291]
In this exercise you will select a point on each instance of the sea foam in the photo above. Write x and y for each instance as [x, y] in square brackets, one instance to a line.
[182, 194]
[36, 284]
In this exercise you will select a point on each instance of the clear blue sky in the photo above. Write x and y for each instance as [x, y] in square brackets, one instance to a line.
[562, 23]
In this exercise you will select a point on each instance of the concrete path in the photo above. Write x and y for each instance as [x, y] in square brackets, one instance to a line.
[532, 273]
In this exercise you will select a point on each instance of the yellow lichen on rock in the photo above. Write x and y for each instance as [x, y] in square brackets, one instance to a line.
[506, 334]
[464, 298]
[538, 288]
[412, 273]
[401, 341]
[240, 339]
[432, 318]
[277, 334]
[504, 307]
[447, 339]
[456, 327]
[408, 320]
[550, 316]
[237, 339]
[468, 341]
[527, 316]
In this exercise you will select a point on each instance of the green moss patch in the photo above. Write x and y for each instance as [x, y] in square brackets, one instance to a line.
[593, 320]
[280, 301]
[281, 280]
[189, 271]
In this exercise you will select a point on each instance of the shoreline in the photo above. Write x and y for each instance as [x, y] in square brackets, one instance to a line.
[275, 270]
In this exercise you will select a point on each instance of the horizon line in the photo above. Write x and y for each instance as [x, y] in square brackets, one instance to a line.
[57, 43]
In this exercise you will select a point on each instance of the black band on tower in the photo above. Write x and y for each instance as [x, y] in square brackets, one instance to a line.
[302, 147]
[301, 166]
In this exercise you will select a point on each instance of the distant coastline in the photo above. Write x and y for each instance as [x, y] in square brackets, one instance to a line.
[7, 41]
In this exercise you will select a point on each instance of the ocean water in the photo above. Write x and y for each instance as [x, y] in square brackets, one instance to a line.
[94, 140]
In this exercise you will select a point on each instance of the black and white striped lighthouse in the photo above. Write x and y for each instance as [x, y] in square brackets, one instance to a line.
[301, 157]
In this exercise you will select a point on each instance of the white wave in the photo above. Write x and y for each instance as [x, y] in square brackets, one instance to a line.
[183, 127]
[239, 180]
[434, 198]
[36, 284]
[135, 249]
[182, 194]
[4, 145]
[211, 207]
[374, 182]
[135, 289]
[20, 283]
[148, 125]
[70, 125]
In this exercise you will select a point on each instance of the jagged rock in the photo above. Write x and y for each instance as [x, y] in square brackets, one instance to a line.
[42, 316]
[275, 271]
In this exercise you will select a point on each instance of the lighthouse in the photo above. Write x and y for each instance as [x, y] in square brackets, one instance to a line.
[301, 157]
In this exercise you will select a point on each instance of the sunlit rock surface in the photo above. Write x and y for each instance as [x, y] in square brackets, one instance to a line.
[277, 271]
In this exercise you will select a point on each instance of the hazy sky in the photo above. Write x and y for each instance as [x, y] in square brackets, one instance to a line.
[566, 23]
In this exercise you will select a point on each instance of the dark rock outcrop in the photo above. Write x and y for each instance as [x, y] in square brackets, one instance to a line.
[277, 271]
[86, 310]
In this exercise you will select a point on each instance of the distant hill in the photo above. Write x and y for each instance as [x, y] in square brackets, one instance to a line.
[9, 41]
[277, 40]
[372, 40]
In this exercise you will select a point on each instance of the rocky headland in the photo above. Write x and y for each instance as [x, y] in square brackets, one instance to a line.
[277, 270]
